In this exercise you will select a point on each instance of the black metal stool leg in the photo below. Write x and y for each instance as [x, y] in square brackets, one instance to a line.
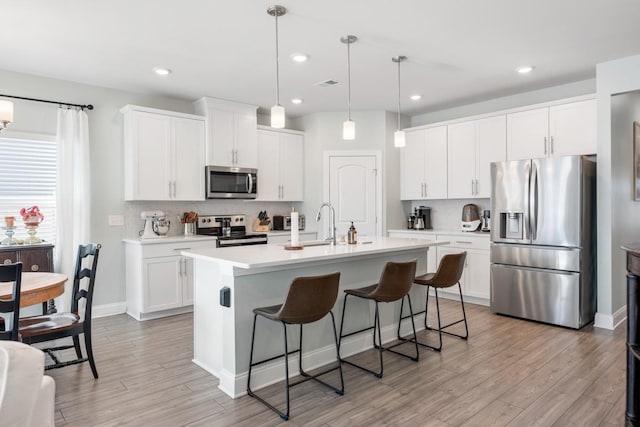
[335, 337]
[283, 415]
[404, 340]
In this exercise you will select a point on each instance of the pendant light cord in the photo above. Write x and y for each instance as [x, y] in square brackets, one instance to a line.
[349, 77]
[399, 93]
[277, 64]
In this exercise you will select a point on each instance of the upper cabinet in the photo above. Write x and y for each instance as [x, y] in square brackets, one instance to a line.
[231, 132]
[423, 165]
[280, 165]
[472, 146]
[163, 154]
[558, 130]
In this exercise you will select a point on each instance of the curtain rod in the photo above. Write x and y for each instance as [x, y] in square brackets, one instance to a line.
[87, 106]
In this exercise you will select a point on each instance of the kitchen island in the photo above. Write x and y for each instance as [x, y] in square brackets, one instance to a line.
[260, 275]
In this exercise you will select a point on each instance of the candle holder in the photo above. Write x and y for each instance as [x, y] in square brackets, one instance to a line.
[32, 230]
[9, 232]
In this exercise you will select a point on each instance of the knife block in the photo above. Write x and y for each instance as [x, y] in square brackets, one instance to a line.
[260, 228]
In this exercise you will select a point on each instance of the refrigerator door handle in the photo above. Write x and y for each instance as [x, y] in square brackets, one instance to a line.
[533, 201]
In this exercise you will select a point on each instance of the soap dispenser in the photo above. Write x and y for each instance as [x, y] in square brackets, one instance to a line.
[352, 236]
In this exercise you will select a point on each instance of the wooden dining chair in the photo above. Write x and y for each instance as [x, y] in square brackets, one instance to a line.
[11, 273]
[36, 329]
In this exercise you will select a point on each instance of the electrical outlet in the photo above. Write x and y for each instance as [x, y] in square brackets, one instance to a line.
[116, 220]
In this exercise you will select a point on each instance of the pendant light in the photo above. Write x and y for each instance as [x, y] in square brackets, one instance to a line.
[277, 111]
[6, 113]
[398, 135]
[349, 127]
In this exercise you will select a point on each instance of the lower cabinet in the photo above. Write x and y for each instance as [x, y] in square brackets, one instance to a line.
[159, 279]
[475, 280]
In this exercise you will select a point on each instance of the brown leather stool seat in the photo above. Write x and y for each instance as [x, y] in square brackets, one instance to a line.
[448, 274]
[395, 283]
[309, 300]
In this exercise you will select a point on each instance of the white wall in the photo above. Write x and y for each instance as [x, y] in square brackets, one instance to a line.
[105, 132]
[323, 132]
[617, 214]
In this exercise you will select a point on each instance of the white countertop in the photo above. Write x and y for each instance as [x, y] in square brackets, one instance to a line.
[260, 256]
[442, 231]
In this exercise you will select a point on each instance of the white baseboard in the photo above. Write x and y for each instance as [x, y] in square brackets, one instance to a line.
[610, 321]
[104, 310]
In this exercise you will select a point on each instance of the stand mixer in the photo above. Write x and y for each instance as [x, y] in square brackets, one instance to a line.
[156, 224]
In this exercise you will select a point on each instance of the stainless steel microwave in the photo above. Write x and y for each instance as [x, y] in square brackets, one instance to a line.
[231, 183]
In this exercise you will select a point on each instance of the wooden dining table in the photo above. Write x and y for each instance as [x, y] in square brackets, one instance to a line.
[37, 288]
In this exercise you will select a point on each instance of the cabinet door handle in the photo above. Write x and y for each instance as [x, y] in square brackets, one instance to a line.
[551, 145]
[282, 188]
[184, 268]
[425, 189]
[181, 249]
[463, 242]
[472, 188]
[545, 146]
[174, 189]
[35, 267]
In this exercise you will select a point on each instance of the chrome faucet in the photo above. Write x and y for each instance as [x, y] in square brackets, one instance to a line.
[332, 217]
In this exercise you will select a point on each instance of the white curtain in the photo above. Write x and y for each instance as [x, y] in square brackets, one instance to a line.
[73, 198]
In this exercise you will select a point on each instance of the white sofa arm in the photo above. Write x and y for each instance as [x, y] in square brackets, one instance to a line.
[27, 397]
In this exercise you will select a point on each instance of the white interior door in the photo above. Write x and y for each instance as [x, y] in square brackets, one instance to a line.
[354, 193]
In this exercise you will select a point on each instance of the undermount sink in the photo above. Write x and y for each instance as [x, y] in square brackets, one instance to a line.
[316, 243]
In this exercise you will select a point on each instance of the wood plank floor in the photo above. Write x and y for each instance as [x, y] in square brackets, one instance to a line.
[509, 373]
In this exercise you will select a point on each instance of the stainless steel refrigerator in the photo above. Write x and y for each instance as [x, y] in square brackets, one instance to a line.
[543, 255]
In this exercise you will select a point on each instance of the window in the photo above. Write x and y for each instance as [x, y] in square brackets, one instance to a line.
[27, 178]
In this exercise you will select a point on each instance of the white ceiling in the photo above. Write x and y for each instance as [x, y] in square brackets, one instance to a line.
[458, 51]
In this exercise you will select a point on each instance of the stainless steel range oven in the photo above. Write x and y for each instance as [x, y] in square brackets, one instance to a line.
[230, 230]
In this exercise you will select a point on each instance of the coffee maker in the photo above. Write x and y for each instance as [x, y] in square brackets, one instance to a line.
[485, 221]
[422, 218]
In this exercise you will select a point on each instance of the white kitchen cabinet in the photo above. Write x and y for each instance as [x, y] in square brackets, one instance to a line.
[159, 281]
[558, 130]
[163, 154]
[475, 280]
[472, 146]
[431, 254]
[423, 165]
[231, 132]
[280, 165]
[573, 128]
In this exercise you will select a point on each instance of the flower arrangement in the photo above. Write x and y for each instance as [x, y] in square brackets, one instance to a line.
[31, 216]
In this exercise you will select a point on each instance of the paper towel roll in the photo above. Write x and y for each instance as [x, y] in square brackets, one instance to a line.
[295, 235]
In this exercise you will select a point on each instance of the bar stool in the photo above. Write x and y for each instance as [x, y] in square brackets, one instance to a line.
[309, 299]
[395, 284]
[448, 274]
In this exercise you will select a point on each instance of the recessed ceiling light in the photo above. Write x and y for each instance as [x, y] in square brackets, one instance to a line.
[299, 57]
[416, 97]
[296, 101]
[525, 69]
[161, 71]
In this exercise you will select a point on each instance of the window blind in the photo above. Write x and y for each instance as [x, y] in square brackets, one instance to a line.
[27, 178]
